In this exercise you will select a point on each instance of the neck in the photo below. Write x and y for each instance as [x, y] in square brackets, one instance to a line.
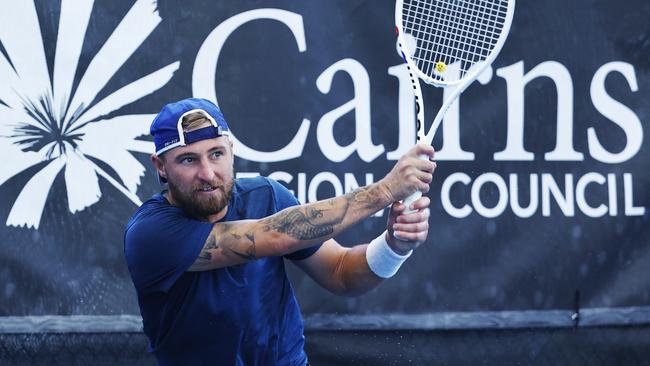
[218, 216]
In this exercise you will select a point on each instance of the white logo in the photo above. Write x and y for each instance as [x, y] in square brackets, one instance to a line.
[44, 123]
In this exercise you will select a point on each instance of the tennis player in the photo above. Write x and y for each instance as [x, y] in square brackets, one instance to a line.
[207, 254]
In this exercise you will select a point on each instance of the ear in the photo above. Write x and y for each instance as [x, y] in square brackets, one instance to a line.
[159, 164]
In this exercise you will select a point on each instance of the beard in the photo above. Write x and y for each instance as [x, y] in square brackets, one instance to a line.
[196, 204]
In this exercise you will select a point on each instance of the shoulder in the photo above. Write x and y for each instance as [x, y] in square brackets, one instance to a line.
[262, 186]
[158, 221]
[161, 241]
[263, 192]
[154, 208]
[257, 184]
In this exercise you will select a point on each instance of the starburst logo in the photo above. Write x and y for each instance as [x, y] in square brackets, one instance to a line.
[44, 123]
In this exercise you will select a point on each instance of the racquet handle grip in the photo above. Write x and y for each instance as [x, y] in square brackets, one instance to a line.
[416, 195]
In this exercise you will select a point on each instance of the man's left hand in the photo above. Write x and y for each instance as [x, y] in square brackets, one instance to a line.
[407, 231]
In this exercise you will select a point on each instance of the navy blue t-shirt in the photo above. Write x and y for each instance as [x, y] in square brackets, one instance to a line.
[240, 315]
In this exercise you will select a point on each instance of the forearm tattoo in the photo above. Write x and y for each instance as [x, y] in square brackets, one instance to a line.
[370, 196]
[227, 246]
[300, 225]
[210, 244]
[319, 220]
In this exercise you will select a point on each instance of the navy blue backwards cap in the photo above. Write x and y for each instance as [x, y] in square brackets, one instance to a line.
[167, 129]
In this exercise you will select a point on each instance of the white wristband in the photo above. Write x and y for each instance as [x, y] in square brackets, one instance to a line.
[382, 260]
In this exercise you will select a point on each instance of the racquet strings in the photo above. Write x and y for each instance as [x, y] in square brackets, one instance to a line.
[445, 32]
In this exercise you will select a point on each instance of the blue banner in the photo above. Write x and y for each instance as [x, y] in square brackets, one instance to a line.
[542, 187]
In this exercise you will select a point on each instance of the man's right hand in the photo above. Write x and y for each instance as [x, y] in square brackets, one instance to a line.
[411, 173]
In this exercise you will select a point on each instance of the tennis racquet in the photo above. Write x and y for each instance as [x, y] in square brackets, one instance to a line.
[448, 43]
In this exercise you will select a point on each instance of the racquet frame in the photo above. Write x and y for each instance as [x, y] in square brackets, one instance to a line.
[460, 85]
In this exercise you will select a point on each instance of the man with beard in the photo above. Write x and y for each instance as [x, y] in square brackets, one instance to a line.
[206, 255]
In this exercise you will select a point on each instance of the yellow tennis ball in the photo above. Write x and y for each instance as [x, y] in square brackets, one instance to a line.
[441, 66]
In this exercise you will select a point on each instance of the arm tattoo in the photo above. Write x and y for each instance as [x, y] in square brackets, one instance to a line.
[298, 225]
[206, 255]
[368, 196]
[314, 222]
[249, 254]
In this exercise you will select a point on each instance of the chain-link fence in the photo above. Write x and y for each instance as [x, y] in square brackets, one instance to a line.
[74, 349]
[375, 345]
[542, 346]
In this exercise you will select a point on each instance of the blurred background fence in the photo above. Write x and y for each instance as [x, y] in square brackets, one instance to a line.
[589, 337]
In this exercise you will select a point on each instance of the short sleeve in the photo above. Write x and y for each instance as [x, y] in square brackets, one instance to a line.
[161, 245]
[283, 199]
